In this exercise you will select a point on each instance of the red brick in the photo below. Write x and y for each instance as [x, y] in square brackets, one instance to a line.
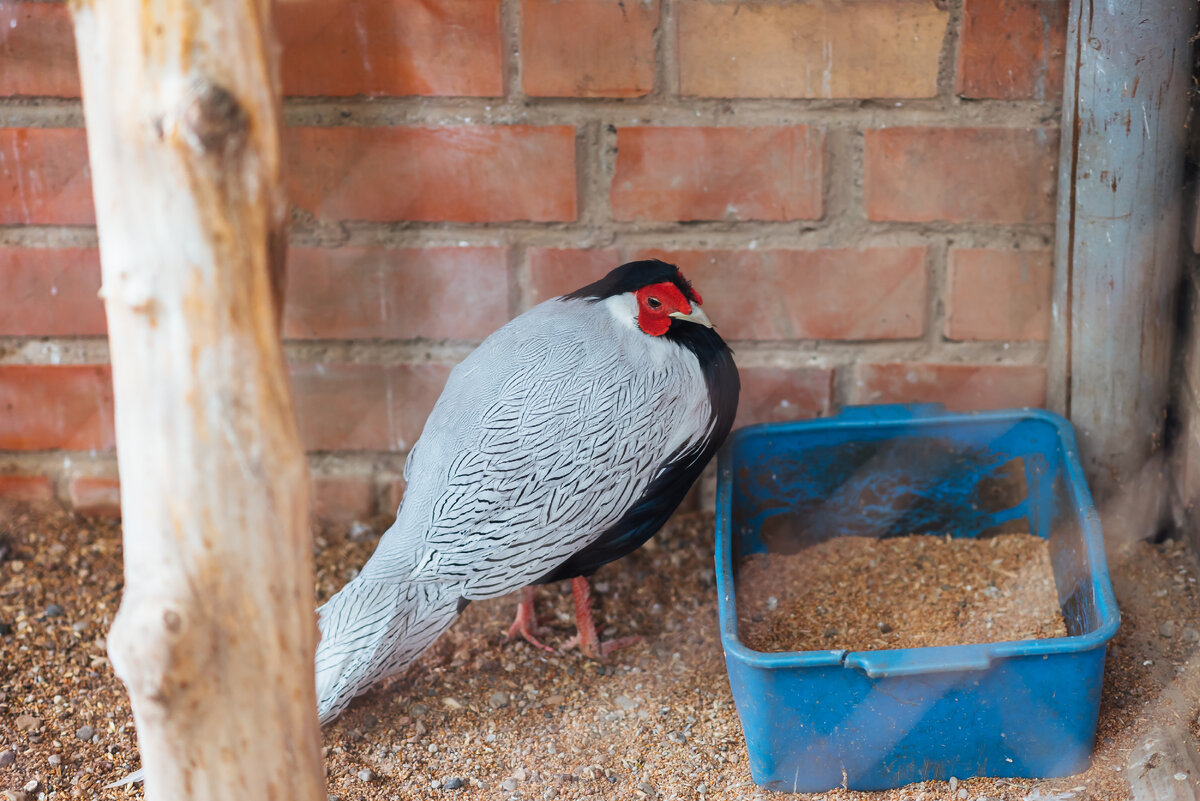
[49, 407]
[874, 293]
[777, 394]
[460, 173]
[588, 48]
[391, 47]
[343, 499]
[26, 488]
[44, 177]
[51, 292]
[1002, 175]
[999, 294]
[95, 496]
[37, 49]
[1012, 49]
[557, 271]
[379, 293]
[365, 407]
[962, 387]
[696, 173]
[871, 48]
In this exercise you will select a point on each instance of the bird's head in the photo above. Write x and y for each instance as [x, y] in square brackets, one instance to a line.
[652, 292]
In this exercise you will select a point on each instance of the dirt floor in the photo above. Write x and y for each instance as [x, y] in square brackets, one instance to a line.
[478, 718]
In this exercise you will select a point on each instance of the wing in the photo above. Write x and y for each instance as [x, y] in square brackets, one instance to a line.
[543, 438]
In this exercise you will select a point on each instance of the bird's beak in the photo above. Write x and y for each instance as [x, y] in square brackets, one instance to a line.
[697, 316]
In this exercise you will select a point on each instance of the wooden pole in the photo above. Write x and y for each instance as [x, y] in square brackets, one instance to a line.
[216, 633]
[1117, 260]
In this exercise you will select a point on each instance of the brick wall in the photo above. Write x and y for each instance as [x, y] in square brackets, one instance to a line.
[863, 192]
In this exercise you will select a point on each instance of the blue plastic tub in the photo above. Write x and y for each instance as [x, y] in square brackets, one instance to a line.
[872, 720]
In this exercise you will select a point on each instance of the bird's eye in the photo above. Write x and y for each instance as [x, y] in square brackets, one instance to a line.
[653, 303]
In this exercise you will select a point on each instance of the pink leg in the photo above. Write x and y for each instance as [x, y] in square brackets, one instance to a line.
[526, 622]
[588, 641]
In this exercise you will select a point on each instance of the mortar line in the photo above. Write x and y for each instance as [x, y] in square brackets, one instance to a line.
[94, 350]
[937, 291]
[522, 110]
[838, 232]
[666, 50]
[510, 31]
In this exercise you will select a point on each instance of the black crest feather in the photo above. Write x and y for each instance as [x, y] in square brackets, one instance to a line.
[632, 276]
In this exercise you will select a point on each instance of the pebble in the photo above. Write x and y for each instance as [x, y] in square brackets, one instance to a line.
[498, 700]
[54, 760]
[509, 785]
[28, 723]
[360, 531]
[962, 793]
[366, 775]
[521, 775]
[7, 758]
[452, 703]
[953, 783]
[31, 786]
[13, 795]
[1190, 635]
[85, 733]
[550, 793]
[453, 783]
[626, 703]
[54, 610]
[647, 789]
[1167, 629]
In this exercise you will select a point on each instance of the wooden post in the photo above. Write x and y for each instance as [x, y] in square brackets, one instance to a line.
[1117, 261]
[216, 633]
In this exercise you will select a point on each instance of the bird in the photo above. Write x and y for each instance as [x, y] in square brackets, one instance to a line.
[563, 442]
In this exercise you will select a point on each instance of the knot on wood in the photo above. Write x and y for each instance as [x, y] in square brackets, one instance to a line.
[214, 122]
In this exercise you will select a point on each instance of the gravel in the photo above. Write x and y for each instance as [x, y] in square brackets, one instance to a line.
[560, 733]
[85, 733]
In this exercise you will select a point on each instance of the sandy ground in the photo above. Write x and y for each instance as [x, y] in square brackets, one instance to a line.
[479, 718]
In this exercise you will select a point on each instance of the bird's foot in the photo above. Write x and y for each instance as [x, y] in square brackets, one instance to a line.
[525, 624]
[600, 649]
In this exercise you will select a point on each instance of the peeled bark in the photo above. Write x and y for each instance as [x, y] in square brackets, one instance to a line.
[216, 632]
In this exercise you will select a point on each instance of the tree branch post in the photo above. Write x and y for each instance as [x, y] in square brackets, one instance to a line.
[216, 632]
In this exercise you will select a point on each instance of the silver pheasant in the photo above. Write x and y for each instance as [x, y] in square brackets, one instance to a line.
[561, 443]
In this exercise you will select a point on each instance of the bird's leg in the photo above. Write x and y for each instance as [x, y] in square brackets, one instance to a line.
[586, 638]
[526, 622]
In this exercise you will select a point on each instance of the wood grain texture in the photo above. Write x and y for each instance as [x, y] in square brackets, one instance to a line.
[216, 633]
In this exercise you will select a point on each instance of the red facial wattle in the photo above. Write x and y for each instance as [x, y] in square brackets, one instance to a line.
[656, 304]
